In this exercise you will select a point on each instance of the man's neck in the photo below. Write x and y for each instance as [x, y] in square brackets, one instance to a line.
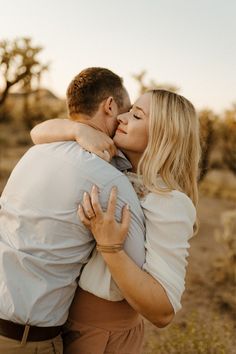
[94, 122]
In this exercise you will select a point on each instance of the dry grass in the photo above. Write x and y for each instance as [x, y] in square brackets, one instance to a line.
[195, 335]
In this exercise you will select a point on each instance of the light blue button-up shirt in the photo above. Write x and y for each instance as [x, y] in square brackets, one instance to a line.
[43, 244]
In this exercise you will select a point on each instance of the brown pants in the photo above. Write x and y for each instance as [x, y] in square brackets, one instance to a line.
[12, 346]
[97, 326]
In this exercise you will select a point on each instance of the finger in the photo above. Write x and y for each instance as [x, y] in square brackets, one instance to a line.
[111, 209]
[87, 205]
[111, 148]
[83, 217]
[95, 202]
[113, 151]
[106, 155]
[100, 154]
[103, 154]
[125, 219]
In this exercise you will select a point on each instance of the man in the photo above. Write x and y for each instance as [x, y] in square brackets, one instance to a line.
[43, 245]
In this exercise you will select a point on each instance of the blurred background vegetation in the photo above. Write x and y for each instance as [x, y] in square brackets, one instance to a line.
[23, 103]
[207, 322]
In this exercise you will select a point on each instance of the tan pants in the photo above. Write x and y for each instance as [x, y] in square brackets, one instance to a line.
[11, 346]
[97, 326]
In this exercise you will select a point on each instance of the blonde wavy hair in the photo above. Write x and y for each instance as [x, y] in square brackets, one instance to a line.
[173, 149]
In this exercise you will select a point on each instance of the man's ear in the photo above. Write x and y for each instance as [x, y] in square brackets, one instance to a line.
[110, 106]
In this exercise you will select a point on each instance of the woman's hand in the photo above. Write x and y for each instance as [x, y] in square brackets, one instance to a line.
[144, 293]
[139, 288]
[103, 225]
[95, 141]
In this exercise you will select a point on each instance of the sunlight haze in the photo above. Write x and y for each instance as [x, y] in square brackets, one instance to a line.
[190, 44]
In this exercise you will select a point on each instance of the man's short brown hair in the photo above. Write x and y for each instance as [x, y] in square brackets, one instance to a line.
[90, 87]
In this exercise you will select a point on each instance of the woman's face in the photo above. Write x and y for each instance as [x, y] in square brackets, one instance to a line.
[132, 132]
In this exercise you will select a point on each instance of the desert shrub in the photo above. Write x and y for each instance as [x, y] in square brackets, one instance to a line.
[196, 335]
[228, 129]
[5, 115]
[24, 140]
[3, 141]
[40, 106]
[219, 183]
[225, 264]
[26, 110]
[39, 113]
[218, 140]
[207, 137]
[13, 135]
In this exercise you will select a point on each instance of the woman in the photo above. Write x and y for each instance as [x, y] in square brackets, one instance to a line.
[160, 137]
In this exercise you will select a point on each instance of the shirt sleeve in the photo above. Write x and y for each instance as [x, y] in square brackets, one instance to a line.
[169, 226]
[96, 277]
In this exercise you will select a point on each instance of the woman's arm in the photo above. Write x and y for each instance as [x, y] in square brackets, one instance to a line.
[53, 130]
[89, 138]
[139, 288]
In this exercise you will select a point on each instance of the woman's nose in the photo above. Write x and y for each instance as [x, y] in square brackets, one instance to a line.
[122, 118]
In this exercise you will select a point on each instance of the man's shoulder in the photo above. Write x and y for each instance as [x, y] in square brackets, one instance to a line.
[73, 157]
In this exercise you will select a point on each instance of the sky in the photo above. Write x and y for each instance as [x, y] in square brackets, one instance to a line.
[187, 43]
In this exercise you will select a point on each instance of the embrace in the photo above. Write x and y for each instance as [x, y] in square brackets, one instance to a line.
[95, 221]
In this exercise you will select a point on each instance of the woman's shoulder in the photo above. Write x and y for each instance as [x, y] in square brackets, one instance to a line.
[166, 204]
[169, 197]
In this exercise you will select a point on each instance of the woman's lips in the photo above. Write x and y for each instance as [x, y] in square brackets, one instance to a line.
[118, 130]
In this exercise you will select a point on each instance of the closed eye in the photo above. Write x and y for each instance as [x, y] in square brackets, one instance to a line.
[136, 117]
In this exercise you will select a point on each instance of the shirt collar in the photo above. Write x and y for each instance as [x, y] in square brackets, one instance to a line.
[121, 162]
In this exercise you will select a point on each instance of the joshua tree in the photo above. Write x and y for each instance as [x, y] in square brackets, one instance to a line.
[19, 65]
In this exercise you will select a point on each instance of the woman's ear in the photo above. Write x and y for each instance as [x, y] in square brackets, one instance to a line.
[110, 106]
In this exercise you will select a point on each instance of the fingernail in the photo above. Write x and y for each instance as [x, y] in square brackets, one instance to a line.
[94, 188]
[127, 206]
[85, 193]
[114, 188]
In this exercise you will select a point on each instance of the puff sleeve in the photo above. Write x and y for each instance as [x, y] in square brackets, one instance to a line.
[169, 226]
